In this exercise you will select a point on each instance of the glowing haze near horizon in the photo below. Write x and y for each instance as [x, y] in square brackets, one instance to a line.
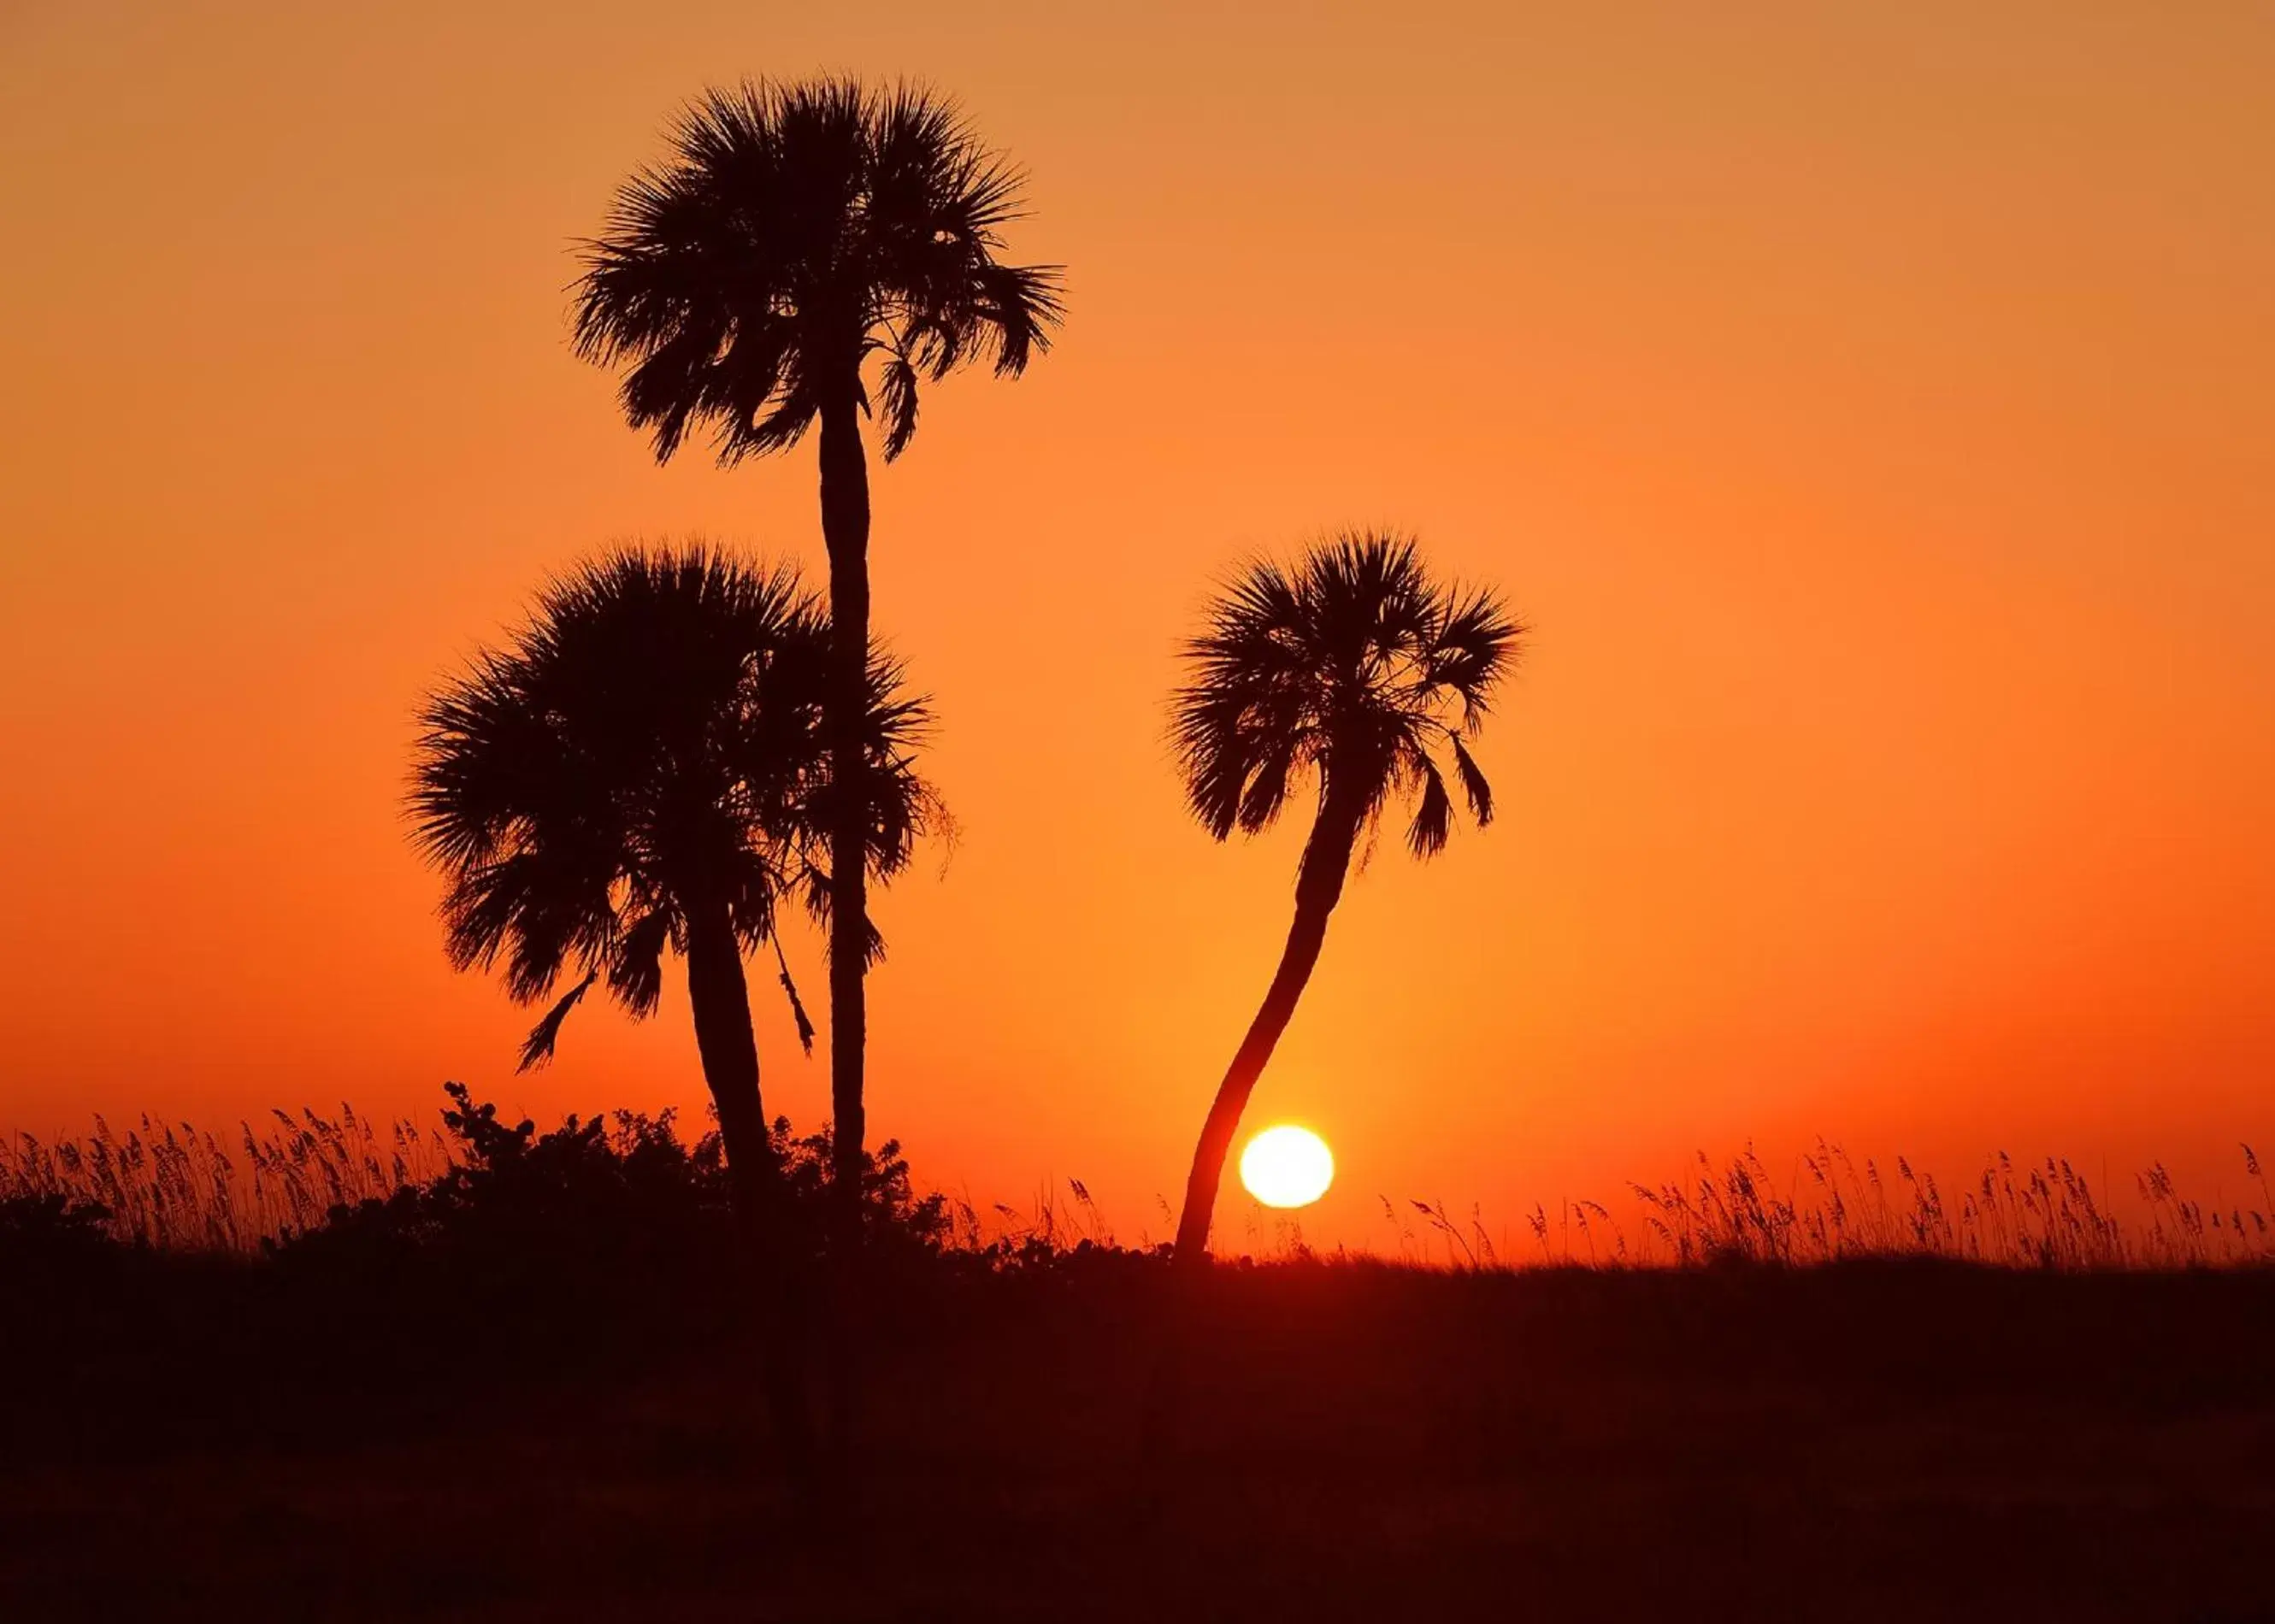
[1869, 407]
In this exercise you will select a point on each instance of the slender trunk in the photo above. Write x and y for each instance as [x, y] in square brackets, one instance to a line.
[723, 1037]
[845, 528]
[722, 1004]
[1319, 886]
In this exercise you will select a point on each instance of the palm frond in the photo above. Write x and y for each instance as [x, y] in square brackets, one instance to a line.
[1473, 783]
[1348, 664]
[636, 967]
[649, 744]
[1433, 815]
[537, 1048]
[805, 1029]
[789, 229]
[896, 400]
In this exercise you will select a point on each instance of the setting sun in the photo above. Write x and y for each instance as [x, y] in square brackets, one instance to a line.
[1286, 1166]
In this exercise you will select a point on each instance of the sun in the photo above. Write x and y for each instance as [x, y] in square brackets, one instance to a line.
[1286, 1166]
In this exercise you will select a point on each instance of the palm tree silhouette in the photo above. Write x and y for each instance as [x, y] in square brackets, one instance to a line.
[642, 771]
[797, 241]
[1353, 667]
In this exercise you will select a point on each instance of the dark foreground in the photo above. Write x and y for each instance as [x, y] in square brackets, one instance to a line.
[1900, 1441]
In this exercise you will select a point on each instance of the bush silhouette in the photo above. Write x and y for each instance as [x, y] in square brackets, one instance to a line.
[621, 1187]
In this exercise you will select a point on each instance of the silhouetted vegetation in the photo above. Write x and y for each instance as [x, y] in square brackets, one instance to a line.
[514, 1389]
[1353, 671]
[171, 1188]
[644, 770]
[576, 1244]
[2045, 1216]
[813, 253]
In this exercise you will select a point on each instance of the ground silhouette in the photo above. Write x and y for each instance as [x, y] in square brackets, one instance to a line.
[517, 1392]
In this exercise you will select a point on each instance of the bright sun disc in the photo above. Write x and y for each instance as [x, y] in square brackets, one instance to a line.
[1286, 1166]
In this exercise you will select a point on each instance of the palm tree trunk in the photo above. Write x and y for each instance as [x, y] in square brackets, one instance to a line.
[845, 529]
[723, 1037]
[1319, 886]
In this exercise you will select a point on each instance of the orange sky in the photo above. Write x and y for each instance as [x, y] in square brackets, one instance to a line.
[1870, 407]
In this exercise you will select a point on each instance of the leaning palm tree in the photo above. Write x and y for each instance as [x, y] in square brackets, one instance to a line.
[810, 254]
[643, 771]
[1353, 668]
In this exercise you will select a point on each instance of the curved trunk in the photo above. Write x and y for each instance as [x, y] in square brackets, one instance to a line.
[1319, 886]
[723, 1037]
[722, 1004]
[845, 529]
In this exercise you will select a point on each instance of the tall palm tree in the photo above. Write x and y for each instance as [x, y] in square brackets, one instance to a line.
[810, 253]
[643, 771]
[1354, 668]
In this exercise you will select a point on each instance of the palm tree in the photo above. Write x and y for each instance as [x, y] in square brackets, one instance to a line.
[1354, 668]
[642, 771]
[798, 241]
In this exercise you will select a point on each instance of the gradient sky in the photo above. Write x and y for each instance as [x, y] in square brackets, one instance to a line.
[1871, 407]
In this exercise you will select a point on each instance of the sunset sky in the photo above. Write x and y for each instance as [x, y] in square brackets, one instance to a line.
[1870, 408]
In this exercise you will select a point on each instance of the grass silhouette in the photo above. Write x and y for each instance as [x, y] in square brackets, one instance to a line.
[172, 1186]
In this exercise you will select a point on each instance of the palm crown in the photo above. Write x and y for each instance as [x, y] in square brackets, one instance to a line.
[1354, 666]
[795, 233]
[648, 749]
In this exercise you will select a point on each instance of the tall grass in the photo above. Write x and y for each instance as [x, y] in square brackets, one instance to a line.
[2046, 1215]
[172, 1186]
